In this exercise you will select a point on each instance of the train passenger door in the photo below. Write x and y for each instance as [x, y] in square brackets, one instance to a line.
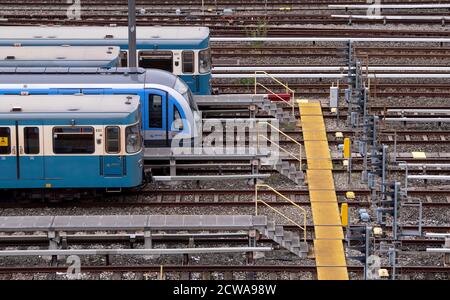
[188, 70]
[30, 151]
[113, 162]
[21, 152]
[155, 119]
[8, 154]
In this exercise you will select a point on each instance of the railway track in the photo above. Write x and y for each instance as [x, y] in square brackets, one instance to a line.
[240, 17]
[210, 268]
[245, 89]
[42, 240]
[214, 198]
[213, 2]
[232, 30]
[225, 88]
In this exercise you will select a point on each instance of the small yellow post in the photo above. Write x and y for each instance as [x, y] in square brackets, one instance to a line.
[344, 214]
[347, 148]
[161, 273]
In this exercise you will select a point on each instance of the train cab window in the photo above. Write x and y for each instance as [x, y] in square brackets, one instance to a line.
[155, 111]
[123, 57]
[112, 139]
[162, 60]
[5, 140]
[31, 140]
[133, 139]
[177, 121]
[188, 61]
[204, 61]
[73, 140]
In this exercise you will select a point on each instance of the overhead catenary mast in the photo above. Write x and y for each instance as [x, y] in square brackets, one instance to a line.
[132, 61]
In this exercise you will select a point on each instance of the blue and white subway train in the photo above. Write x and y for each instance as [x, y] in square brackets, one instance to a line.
[183, 51]
[56, 142]
[167, 105]
[59, 56]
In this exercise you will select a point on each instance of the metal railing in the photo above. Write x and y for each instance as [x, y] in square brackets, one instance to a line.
[302, 210]
[258, 135]
[291, 103]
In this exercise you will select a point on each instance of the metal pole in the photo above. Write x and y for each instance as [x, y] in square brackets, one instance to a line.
[366, 264]
[420, 217]
[350, 81]
[383, 169]
[395, 221]
[395, 146]
[350, 168]
[132, 61]
[393, 257]
[406, 180]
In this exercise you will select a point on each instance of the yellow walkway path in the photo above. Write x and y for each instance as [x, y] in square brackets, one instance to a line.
[328, 247]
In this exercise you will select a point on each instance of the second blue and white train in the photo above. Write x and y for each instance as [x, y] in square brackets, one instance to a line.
[167, 106]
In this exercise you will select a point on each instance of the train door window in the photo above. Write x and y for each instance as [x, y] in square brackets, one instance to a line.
[5, 140]
[162, 60]
[73, 140]
[188, 61]
[31, 140]
[155, 111]
[123, 59]
[112, 139]
[177, 121]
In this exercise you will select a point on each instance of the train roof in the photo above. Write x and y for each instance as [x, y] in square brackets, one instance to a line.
[58, 56]
[73, 76]
[155, 35]
[67, 106]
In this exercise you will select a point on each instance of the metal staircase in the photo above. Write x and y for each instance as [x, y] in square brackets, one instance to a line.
[271, 107]
[291, 170]
[287, 239]
[274, 110]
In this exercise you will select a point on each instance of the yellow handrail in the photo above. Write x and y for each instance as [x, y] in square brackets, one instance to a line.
[292, 104]
[279, 212]
[299, 158]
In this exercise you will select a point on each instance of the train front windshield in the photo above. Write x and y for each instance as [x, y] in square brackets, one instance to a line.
[205, 61]
[181, 87]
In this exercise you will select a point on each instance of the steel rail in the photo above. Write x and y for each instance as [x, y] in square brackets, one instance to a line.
[208, 268]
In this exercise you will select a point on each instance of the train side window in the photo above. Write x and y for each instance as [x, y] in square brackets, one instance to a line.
[73, 140]
[31, 140]
[188, 61]
[162, 60]
[112, 139]
[5, 140]
[123, 59]
[155, 111]
[177, 121]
